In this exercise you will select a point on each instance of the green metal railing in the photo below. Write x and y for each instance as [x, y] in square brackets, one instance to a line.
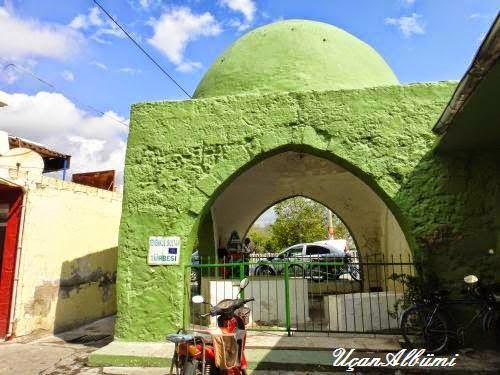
[307, 294]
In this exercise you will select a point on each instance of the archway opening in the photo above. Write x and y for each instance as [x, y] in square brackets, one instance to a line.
[296, 220]
[317, 276]
[294, 173]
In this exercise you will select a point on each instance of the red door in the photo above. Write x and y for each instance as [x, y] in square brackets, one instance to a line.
[10, 215]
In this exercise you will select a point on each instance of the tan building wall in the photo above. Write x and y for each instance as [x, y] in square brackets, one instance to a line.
[67, 268]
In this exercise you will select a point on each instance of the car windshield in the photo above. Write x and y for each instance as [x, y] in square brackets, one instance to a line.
[292, 252]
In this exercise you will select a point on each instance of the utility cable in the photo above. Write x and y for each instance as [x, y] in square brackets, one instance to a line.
[45, 82]
[142, 49]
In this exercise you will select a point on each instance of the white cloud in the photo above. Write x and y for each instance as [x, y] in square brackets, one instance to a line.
[267, 218]
[99, 25]
[409, 25]
[148, 3]
[408, 2]
[176, 28]
[86, 21]
[68, 76]
[188, 66]
[236, 23]
[95, 142]
[79, 22]
[246, 7]
[100, 65]
[144, 5]
[479, 16]
[131, 71]
[28, 38]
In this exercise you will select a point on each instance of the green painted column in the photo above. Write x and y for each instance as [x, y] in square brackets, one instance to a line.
[206, 245]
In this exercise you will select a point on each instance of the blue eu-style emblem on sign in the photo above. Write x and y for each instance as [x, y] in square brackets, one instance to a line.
[164, 250]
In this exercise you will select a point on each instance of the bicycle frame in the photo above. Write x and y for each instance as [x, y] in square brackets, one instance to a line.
[461, 329]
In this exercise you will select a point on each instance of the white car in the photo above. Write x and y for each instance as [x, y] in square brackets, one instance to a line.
[300, 260]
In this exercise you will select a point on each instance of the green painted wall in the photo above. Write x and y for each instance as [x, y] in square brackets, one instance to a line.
[205, 237]
[181, 155]
[454, 201]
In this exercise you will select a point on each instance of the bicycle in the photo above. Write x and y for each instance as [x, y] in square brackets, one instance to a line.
[427, 323]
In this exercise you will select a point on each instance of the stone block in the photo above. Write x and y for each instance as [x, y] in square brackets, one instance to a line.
[361, 312]
[269, 305]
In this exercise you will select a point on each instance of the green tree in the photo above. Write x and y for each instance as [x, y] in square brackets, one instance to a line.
[339, 229]
[262, 239]
[259, 237]
[299, 220]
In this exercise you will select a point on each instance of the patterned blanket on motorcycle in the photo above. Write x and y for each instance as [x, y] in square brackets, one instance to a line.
[226, 351]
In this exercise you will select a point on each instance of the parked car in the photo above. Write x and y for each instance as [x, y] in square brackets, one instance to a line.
[301, 258]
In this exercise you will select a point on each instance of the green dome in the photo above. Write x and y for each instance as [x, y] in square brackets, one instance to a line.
[295, 55]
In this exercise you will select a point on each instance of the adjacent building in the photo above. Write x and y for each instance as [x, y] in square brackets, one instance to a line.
[58, 243]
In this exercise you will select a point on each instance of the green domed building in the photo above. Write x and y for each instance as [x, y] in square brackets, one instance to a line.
[304, 108]
[295, 55]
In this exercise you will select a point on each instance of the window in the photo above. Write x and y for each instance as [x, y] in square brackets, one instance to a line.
[316, 250]
[294, 251]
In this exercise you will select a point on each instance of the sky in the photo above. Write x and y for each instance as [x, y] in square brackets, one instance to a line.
[75, 74]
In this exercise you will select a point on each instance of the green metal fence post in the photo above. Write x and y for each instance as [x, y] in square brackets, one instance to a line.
[242, 271]
[287, 300]
[242, 276]
[187, 298]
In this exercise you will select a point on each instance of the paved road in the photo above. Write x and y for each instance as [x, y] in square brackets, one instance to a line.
[66, 354]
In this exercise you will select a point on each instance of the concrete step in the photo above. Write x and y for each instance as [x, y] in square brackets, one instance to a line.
[275, 358]
[372, 343]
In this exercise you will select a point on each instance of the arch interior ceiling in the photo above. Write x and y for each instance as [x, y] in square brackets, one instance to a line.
[291, 173]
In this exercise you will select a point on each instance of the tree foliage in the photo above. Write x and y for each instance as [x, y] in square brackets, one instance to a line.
[298, 220]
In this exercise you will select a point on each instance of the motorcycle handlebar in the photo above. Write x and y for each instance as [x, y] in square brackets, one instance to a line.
[214, 311]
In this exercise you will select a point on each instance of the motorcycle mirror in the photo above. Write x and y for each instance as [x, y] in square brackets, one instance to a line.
[471, 279]
[244, 283]
[198, 299]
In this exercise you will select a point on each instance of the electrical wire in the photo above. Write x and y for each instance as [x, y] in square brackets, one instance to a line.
[45, 82]
[142, 49]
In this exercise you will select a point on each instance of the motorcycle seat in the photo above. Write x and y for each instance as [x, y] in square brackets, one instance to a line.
[179, 337]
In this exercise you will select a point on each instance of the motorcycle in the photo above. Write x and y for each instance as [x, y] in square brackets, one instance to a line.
[209, 352]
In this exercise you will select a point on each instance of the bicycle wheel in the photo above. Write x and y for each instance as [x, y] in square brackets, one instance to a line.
[424, 330]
